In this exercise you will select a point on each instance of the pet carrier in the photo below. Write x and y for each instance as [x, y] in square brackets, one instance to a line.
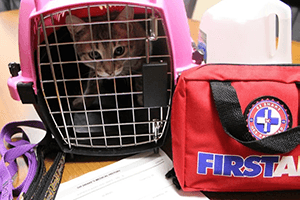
[101, 73]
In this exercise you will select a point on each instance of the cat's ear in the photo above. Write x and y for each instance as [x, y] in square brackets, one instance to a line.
[121, 28]
[71, 19]
[126, 14]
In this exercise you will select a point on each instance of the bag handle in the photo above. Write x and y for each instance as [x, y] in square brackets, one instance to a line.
[234, 123]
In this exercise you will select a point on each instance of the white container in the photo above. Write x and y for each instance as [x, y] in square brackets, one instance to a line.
[244, 32]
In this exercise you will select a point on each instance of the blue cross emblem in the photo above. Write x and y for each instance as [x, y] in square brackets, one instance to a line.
[264, 120]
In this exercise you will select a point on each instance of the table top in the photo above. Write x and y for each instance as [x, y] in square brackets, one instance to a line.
[11, 110]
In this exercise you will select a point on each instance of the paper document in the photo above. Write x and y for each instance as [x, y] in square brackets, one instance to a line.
[139, 177]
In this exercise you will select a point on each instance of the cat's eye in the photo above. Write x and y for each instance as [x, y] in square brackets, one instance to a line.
[95, 55]
[119, 51]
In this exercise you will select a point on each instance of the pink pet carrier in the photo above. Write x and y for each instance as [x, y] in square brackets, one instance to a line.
[89, 113]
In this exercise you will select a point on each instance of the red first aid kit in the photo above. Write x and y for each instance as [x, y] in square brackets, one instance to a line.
[235, 128]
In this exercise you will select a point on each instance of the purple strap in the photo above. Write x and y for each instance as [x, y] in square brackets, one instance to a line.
[8, 165]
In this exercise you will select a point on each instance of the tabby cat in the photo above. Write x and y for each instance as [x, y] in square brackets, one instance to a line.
[102, 53]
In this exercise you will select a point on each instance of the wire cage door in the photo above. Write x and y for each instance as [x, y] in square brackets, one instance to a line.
[106, 77]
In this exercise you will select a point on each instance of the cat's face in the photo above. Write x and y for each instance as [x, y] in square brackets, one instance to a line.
[107, 52]
[103, 53]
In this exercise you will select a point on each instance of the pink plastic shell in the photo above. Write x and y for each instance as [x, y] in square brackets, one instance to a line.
[173, 12]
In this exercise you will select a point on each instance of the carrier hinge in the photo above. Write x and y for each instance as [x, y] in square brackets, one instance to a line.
[153, 29]
[156, 124]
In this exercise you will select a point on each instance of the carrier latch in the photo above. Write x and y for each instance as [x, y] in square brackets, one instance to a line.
[14, 68]
[155, 84]
[26, 93]
[25, 90]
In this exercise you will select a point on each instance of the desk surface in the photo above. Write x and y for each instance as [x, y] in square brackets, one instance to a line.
[11, 110]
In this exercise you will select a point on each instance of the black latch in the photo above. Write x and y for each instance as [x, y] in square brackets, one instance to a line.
[155, 84]
[14, 68]
[26, 93]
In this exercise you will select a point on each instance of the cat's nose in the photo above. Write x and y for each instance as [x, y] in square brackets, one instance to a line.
[110, 73]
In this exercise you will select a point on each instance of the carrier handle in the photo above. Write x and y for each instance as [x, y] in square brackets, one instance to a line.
[234, 123]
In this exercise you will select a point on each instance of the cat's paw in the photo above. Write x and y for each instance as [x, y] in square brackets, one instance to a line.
[140, 100]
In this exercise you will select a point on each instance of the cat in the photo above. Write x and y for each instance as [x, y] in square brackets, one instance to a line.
[97, 51]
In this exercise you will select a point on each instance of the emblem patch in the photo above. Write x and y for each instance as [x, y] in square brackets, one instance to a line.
[267, 116]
